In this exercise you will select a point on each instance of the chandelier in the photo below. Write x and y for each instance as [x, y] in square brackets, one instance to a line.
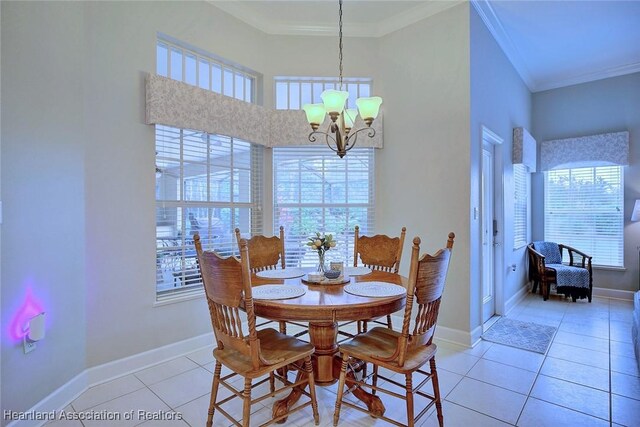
[340, 130]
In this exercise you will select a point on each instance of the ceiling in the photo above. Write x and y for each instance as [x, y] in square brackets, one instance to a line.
[550, 43]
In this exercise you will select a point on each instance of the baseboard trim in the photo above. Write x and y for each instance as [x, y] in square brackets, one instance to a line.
[613, 293]
[118, 368]
[476, 335]
[515, 299]
[55, 401]
[454, 336]
[69, 391]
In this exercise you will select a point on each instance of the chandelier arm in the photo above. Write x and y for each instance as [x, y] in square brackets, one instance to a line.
[312, 137]
[354, 135]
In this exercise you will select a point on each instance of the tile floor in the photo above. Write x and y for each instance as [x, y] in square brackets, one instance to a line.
[588, 377]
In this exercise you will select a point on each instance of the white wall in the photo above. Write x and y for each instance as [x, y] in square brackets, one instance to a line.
[43, 241]
[422, 174]
[591, 108]
[500, 101]
[120, 205]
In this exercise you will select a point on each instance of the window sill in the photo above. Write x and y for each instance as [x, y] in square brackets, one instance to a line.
[180, 297]
[606, 267]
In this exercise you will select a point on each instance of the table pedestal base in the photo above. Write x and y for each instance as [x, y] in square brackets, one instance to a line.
[326, 370]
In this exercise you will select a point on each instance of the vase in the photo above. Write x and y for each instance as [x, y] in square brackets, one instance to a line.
[321, 268]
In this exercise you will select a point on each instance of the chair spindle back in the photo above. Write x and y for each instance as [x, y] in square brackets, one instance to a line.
[227, 285]
[427, 278]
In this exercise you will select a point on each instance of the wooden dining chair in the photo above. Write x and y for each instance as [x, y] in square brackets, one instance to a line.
[379, 252]
[404, 352]
[227, 284]
[266, 253]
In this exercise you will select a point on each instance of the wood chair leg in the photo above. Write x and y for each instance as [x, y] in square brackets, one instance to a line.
[214, 393]
[409, 391]
[343, 377]
[282, 326]
[246, 404]
[272, 382]
[389, 324]
[535, 287]
[436, 390]
[374, 380]
[312, 389]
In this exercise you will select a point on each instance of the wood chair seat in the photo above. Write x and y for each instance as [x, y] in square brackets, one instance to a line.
[274, 346]
[381, 343]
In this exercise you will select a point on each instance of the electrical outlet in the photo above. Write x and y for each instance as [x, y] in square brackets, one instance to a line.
[29, 346]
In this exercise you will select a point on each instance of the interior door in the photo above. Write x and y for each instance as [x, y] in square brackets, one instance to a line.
[488, 231]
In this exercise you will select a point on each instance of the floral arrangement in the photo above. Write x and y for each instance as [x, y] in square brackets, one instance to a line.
[321, 243]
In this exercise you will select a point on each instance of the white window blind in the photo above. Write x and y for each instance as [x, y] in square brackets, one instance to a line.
[209, 184]
[520, 204]
[316, 191]
[584, 209]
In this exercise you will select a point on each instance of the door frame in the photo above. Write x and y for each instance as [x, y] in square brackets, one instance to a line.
[499, 272]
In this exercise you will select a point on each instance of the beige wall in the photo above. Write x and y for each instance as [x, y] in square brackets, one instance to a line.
[43, 187]
[422, 174]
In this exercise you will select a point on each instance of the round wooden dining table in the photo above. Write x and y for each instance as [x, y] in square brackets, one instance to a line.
[323, 306]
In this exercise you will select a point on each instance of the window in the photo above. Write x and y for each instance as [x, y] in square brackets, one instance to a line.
[197, 68]
[294, 92]
[205, 183]
[521, 202]
[313, 189]
[584, 209]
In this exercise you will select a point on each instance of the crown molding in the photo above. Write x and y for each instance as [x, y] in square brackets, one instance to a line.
[495, 27]
[587, 77]
[389, 25]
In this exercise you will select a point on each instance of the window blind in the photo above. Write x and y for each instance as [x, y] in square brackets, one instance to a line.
[520, 205]
[316, 191]
[206, 184]
[584, 209]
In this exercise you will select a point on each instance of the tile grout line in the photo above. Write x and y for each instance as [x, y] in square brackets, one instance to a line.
[540, 368]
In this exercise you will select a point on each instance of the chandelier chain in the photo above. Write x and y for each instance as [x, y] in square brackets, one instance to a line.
[340, 40]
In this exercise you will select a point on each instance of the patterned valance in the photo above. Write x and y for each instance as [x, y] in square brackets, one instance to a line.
[177, 104]
[585, 151]
[525, 150]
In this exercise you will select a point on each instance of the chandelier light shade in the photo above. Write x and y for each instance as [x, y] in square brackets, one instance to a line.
[369, 108]
[342, 120]
[315, 114]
